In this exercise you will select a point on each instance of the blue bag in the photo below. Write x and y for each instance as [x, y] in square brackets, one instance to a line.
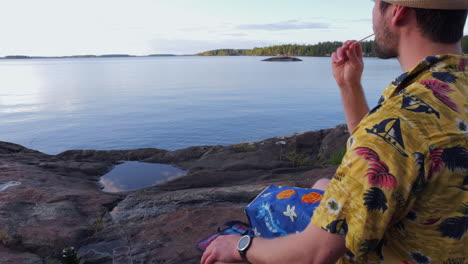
[278, 211]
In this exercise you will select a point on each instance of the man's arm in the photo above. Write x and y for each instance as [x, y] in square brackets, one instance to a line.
[347, 65]
[313, 245]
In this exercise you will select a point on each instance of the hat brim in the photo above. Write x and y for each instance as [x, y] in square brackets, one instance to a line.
[432, 4]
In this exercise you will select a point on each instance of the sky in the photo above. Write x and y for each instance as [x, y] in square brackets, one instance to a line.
[142, 27]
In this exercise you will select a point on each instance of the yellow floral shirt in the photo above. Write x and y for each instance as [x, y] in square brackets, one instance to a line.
[400, 194]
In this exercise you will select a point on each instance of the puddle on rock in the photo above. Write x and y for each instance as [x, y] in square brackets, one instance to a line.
[4, 186]
[132, 175]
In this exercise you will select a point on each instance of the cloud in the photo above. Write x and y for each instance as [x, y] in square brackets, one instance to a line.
[284, 25]
[235, 34]
[214, 28]
[191, 29]
[111, 185]
[362, 20]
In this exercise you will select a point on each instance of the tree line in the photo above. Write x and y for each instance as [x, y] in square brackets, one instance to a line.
[317, 50]
[321, 49]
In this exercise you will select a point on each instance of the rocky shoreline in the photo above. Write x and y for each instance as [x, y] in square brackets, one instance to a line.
[57, 201]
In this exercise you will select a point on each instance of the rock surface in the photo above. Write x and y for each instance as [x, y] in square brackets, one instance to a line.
[58, 202]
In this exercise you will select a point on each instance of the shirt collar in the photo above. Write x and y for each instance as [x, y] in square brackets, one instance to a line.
[435, 63]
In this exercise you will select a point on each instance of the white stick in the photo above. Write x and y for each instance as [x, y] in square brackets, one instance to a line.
[366, 38]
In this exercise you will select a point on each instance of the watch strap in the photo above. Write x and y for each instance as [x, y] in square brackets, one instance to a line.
[243, 253]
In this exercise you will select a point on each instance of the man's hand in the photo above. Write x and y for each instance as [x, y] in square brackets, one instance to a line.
[222, 249]
[347, 65]
[313, 245]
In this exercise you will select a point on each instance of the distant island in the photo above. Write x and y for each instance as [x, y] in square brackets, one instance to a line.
[282, 58]
[163, 55]
[322, 49]
[85, 56]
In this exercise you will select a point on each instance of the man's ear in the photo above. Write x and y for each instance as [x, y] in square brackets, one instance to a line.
[400, 15]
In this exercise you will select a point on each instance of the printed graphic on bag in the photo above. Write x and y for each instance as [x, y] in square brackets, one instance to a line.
[286, 194]
[278, 211]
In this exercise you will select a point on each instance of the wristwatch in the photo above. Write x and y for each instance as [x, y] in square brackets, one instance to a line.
[243, 245]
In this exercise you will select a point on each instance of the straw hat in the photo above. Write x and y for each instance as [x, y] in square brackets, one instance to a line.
[432, 4]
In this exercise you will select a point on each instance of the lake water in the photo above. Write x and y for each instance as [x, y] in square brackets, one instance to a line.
[54, 105]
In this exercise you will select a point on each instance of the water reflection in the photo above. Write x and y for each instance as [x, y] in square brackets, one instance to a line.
[21, 85]
[132, 175]
[7, 185]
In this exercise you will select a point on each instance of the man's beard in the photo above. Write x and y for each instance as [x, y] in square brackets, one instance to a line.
[385, 46]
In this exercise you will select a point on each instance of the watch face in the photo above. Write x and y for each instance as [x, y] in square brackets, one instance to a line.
[243, 243]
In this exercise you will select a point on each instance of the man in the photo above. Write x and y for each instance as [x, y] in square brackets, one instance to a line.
[400, 194]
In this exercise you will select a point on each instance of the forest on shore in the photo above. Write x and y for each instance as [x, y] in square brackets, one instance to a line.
[321, 49]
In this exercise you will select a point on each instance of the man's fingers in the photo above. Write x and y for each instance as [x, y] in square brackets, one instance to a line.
[352, 56]
[355, 53]
[203, 259]
[210, 260]
[341, 54]
[335, 58]
[358, 50]
[354, 44]
[208, 252]
[349, 43]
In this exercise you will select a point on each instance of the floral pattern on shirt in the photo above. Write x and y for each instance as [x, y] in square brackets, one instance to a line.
[402, 190]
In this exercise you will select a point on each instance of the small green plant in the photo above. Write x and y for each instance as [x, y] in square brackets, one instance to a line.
[5, 236]
[51, 260]
[98, 225]
[337, 157]
[299, 160]
[245, 147]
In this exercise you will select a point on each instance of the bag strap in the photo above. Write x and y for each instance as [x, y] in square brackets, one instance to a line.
[230, 224]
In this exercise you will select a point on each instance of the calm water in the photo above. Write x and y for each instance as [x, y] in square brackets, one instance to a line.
[171, 102]
[132, 175]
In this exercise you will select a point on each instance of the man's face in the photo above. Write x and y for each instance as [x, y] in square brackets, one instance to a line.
[386, 42]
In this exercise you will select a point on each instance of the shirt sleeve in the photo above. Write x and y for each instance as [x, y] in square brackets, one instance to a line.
[374, 186]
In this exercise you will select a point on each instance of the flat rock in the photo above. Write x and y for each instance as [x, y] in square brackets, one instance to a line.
[8, 256]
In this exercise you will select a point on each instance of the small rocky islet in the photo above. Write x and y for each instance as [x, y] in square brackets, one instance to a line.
[282, 58]
[50, 202]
